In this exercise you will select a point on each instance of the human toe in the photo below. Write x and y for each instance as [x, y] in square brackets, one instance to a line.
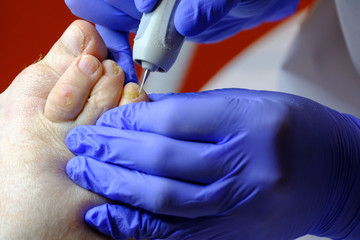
[105, 95]
[131, 94]
[80, 38]
[68, 97]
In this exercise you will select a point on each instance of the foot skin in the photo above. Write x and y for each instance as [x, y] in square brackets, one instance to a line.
[73, 85]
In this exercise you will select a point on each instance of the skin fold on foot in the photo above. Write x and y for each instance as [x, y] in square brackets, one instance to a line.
[73, 85]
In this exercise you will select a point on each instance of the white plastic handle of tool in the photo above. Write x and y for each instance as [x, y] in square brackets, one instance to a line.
[157, 43]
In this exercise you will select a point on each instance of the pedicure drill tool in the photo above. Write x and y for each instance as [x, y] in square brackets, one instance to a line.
[157, 43]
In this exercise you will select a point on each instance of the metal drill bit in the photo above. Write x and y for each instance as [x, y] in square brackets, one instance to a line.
[145, 77]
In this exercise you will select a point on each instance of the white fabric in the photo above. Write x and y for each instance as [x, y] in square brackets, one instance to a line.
[348, 11]
[319, 65]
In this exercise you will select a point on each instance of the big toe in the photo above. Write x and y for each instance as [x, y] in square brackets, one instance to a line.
[79, 39]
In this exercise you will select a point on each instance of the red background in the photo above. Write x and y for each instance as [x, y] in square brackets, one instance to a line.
[30, 28]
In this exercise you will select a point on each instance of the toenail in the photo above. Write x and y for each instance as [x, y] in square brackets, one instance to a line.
[131, 93]
[132, 96]
[88, 64]
[73, 40]
[111, 68]
[115, 68]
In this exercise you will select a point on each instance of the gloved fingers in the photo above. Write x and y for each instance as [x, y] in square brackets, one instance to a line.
[155, 97]
[145, 6]
[193, 17]
[249, 9]
[151, 193]
[127, 6]
[102, 13]
[213, 21]
[120, 222]
[228, 27]
[151, 153]
[119, 50]
[193, 116]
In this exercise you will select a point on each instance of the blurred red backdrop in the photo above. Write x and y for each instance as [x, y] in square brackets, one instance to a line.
[30, 28]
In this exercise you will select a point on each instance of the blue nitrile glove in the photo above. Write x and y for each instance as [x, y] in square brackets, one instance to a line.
[198, 20]
[224, 164]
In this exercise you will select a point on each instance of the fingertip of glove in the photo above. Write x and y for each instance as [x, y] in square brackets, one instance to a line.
[72, 168]
[70, 140]
[145, 6]
[185, 28]
[77, 169]
[73, 141]
[95, 219]
[189, 21]
[92, 217]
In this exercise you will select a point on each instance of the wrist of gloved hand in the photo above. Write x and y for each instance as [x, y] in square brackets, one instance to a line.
[340, 218]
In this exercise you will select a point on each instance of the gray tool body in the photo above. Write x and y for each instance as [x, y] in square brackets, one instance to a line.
[157, 43]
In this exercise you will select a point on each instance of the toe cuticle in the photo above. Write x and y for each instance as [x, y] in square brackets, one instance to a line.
[88, 65]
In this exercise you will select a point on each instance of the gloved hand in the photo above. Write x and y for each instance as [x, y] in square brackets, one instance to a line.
[198, 20]
[224, 164]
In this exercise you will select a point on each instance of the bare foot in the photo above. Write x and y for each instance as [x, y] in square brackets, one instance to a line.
[73, 85]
